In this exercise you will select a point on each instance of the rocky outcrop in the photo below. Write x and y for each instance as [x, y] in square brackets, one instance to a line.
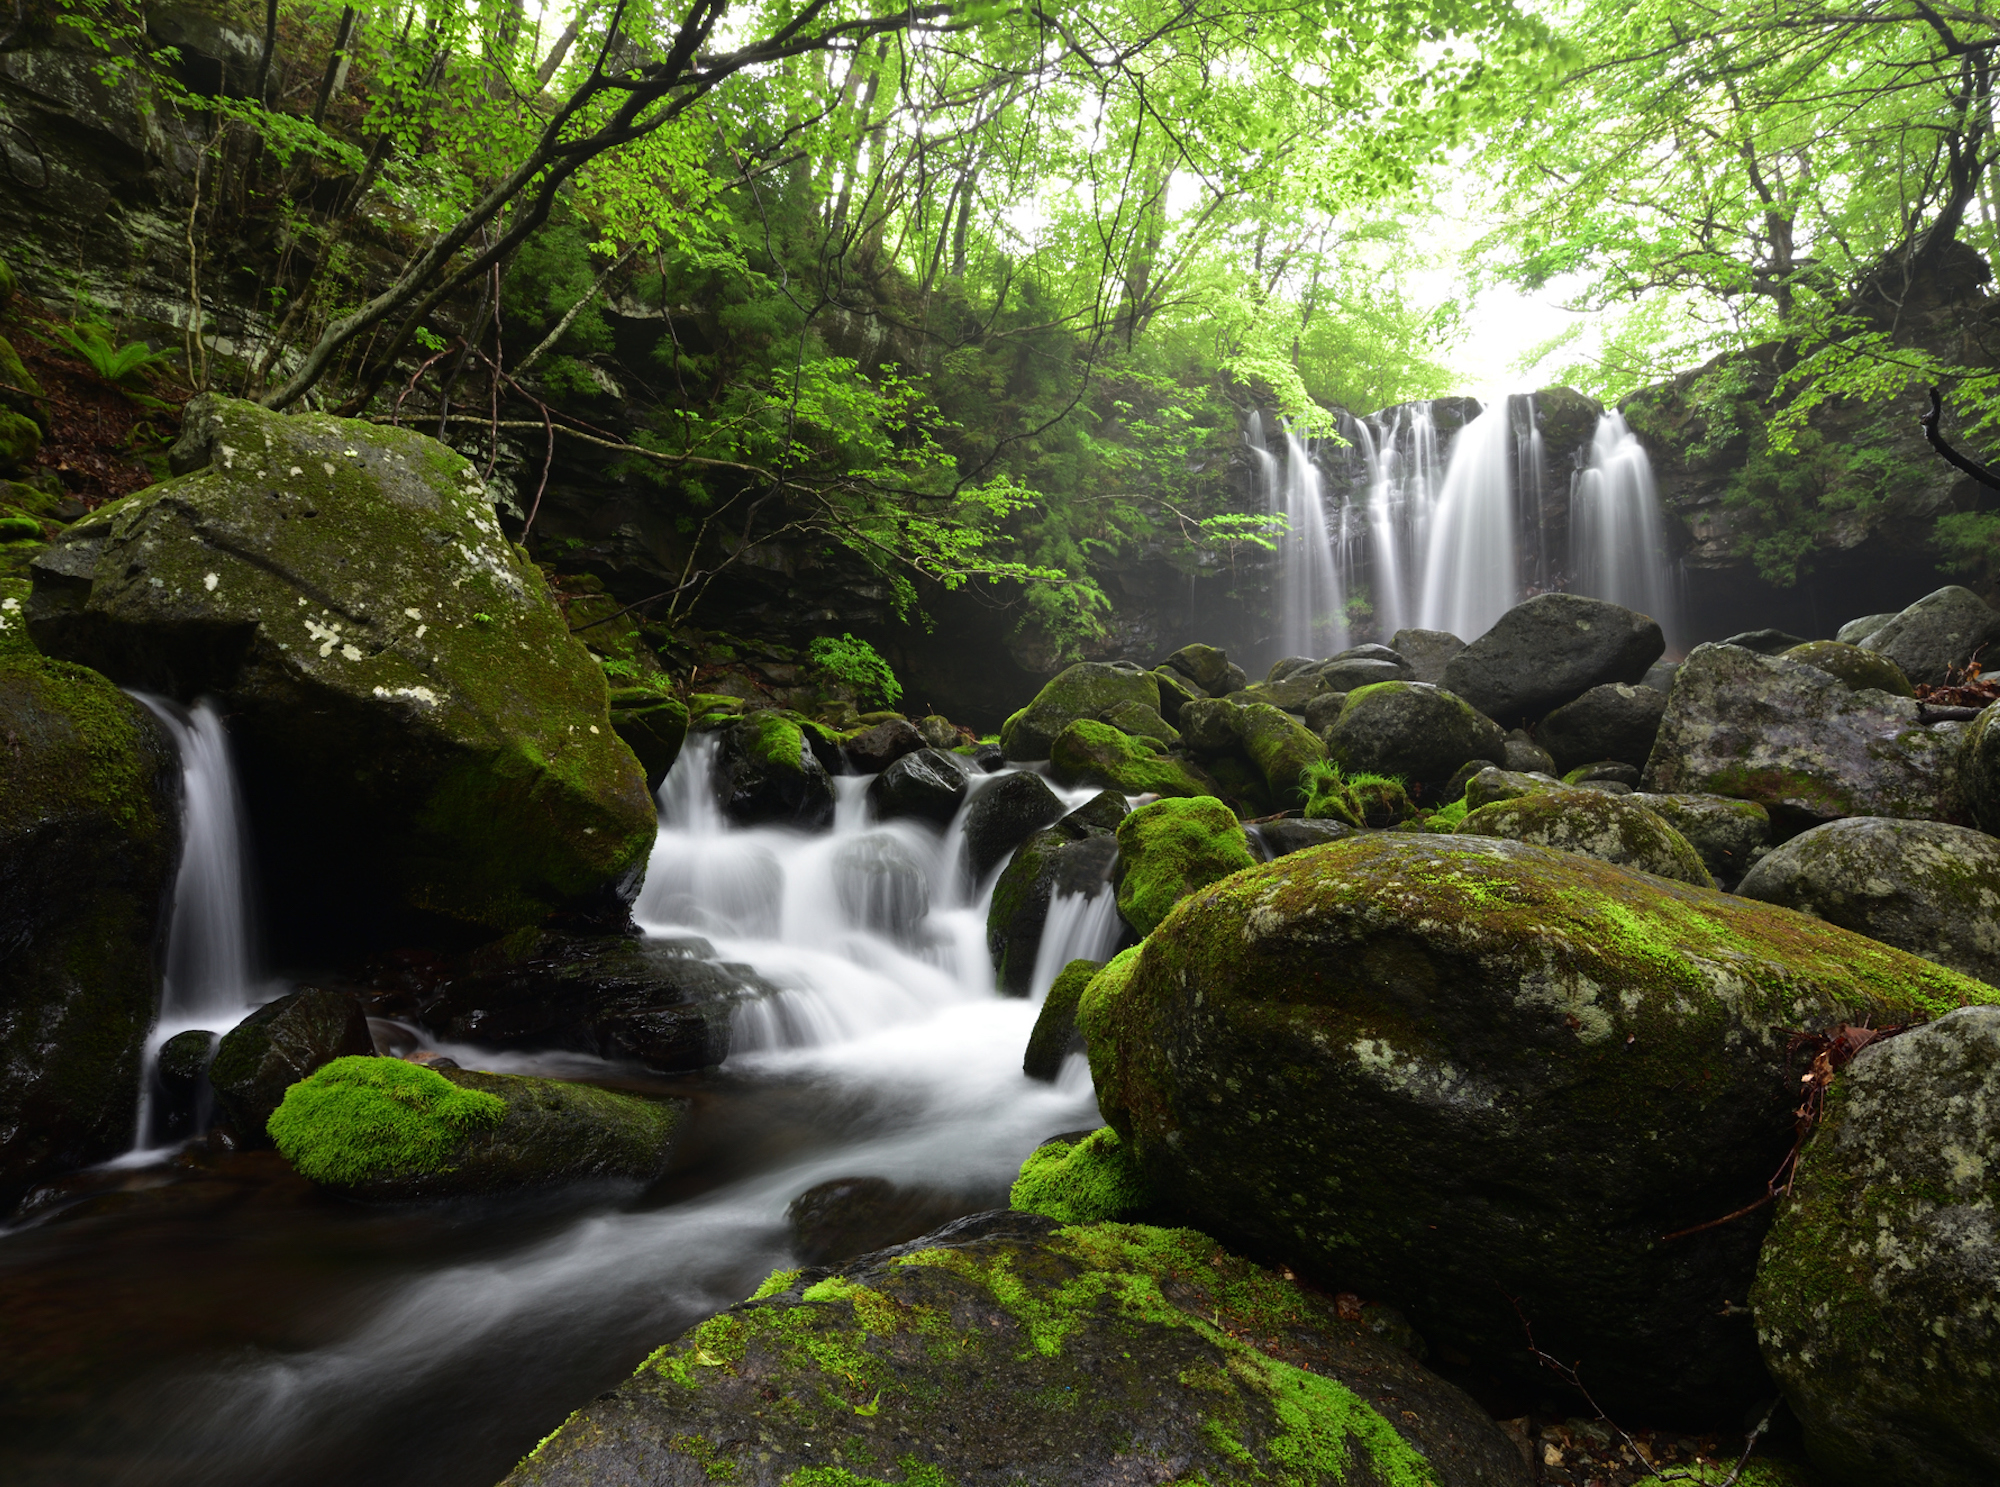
[1550, 650]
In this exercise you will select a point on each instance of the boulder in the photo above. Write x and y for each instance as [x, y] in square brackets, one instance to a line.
[1729, 835]
[1002, 815]
[346, 590]
[770, 776]
[1207, 667]
[1321, 712]
[1859, 668]
[20, 441]
[1523, 755]
[1280, 748]
[1978, 770]
[1921, 886]
[1087, 753]
[880, 745]
[1141, 721]
[1941, 631]
[1660, 676]
[20, 392]
[1176, 691]
[1073, 856]
[1087, 690]
[1800, 742]
[1614, 775]
[1459, 1074]
[1607, 827]
[929, 785]
[1277, 838]
[1766, 642]
[653, 725]
[380, 1128]
[1550, 650]
[1614, 721]
[278, 1045]
[832, 1222]
[1346, 673]
[1856, 632]
[1291, 695]
[1875, 1295]
[1288, 666]
[1008, 1347]
[882, 887]
[1491, 785]
[182, 1070]
[90, 840]
[1055, 1036]
[940, 732]
[1412, 729]
[1427, 652]
[1168, 849]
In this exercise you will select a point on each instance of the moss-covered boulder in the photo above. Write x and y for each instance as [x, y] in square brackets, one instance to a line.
[1859, 668]
[1875, 1297]
[20, 441]
[654, 725]
[1607, 827]
[1089, 689]
[1074, 856]
[1142, 721]
[1494, 784]
[89, 843]
[1087, 753]
[1730, 835]
[1550, 650]
[1290, 695]
[1081, 1180]
[1412, 729]
[1055, 1036]
[1447, 1071]
[1977, 773]
[416, 723]
[1168, 849]
[1279, 747]
[770, 775]
[279, 1044]
[380, 1128]
[1009, 1348]
[1176, 691]
[1209, 668]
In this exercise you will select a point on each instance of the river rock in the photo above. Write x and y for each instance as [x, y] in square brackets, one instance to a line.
[1549, 650]
[1491, 785]
[1073, 856]
[832, 1222]
[1346, 673]
[1614, 775]
[380, 1128]
[1524, 756]
[1087, 690]
[654, 725]
[770, 776]
[1799, 742]
[1856, 632]
[1087, 753]
[278, 1045]
[1921, 886]
[1055, 1036]
[1412, 729]
[1291, 695]
[1447, 1071]
[943, 1356]
[928, 785]
[182, 1070]
[881, 885]
[346, 590]
[1002, 815]
[1607, 827]
[940, 732]
[1427, 652]
[1875, 1296]
[90, 840]
[1766, 642]
[1729, 835]
[1614, 721]
[1141, 721]
[1279, 747]
[1276, 838]
[1168, 849]
[1208, 667]
[1941, 631]
[1660, 676]
[1859, 668]
[1288, 666]
[875, 748]
[1321, 712]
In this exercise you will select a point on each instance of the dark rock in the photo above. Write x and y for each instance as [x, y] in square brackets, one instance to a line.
[1550, 650]
[833, 1222]
[1426, 652]
[1086, 691]
[928, 785]
[1607, 827]
[1524, 756]
[1856, 632]
[1141, 721]
[938, 731]
[966, 1399]
[1105, 811]
[1055, 1036]
[874, 749]
[1176, 691]
[1278, 745]
[278, 1045]
[654, 725]
[1002, 815]
[1860, 669]
[1730, 835]
[1940, 632]
[1360, 671]
[1921, 886]
[1412, 729]
[1660, 676]
[989, 758]
[1978, 770]
[1437, 1044]
[1874, 1297]
[1281, 837]
[881, 886]
[1292, 695]
[1290, 665]
[1073, 856]
[1322, 710]
[1614, 721]
[1765, 642]
[771, 777]
[1604, 772]
[1204, 665]
[184, 1060]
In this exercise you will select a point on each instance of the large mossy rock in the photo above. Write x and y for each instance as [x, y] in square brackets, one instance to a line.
[1614, 721]
[1277, 746]
[1921, 886]
[1055, 1036]
[1457, 1073]
[770, 775]
[1008, 1348]
[1550, 650]
[1941, 631]
[1800, 742]
[1087, 753]
[89, 844]
[1073, 856]
[379, 1128]
[1002, 815]
[1876, 1295]
[1860, 669]
[415, 721]
[278, 1045]
[1168, 849]
[1087, 690]
[1607, 827]
[1413, 730]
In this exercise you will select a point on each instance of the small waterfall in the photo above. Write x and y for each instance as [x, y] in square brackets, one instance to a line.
[1617, 530]
[1399, 454]
[1080, 926]
[1312, 600]
[1471, 575]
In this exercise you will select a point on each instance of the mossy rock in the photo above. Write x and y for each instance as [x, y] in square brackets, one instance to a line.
[1055, 1036]
[1087, 1181]
[1729, 835]
[1141, 721]
[18, 387]
[1598, 825]
[1176, 691]
[1074, 855]
[1208, 667]
[654, 725]
[276, 1046]
[1280, 747]
[1009, 1347]
[1087, 690]
[1412, 729]
[1168, 849]
[20, 440]
[1458, 1073]
[1290, 695]
[421, 725]
[8, 283]
[1087, 753]
[1858, 668]
[380, 1128]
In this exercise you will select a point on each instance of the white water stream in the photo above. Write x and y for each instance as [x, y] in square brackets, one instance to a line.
[1618, 531]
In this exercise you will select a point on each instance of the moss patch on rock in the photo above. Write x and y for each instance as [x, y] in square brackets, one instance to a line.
[1598, 825]
[1088, 753]
[1168, 849]
[1084, 1182]
[1858, 668]
[1087, 690]
[360, 1116]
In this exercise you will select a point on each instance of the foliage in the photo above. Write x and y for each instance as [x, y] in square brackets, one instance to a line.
[360, 1116]
[857, 664]
[93, 341]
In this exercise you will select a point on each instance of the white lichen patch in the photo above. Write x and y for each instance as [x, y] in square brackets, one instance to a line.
[415, 694]
[210, 580]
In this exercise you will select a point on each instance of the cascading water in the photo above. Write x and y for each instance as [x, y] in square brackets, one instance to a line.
[1311, 598]
[1399, 453]
[1471, 575]
[1618, 531]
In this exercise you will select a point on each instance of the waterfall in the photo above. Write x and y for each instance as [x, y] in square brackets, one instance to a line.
[1617, 530]
[1079, 927]
[1471, 576]
[1311, 598]
[1399, 454]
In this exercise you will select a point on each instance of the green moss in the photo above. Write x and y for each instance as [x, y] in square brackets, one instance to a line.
[915, 1474]
[1860, 669]
[1593, 823]
[359, 1116]
[1448, 818]
[1281, 748]
[1092, 753]
[1168, 849]
[776, 1284]
[1085, 1183]
[1056, 1023]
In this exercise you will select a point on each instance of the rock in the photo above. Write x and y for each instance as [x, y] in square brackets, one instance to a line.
[1290, 696]
[1280, 748]
[8, 283]
[20, 440]
[1874, 1297]
[1087, 690]
[184, 1060]
[1141, 721]
[1412, 729]
[1766, 642]
[278, 1045]
[1524, 756]
[1289, 666]
[1360, 671]
[875, 748]
[1176, 691]
[21, 390]
[928, 785]
[956, 1345]
[1168, 849]
[1055, 1036]
[1941, 631]
[881, 886]
[988, 758]
[1601, 772]
[90, 839]
[1087, 753]
[1729, 835]
[381, 1128]
[939, 731]
[654, 725]
[1605, 1050]
[1205, 666]
[1660, 676]
[346, 590]
[1427, 652]
[770, 776]
[1799, 742]
[1858, 668]
[1614, 721]
[1280, 837]
[1978, 770]
[1082, 1178]
[1607, 827]
[1072, 856]
[1002, 815]
[1550, 650]
[1921, 886]
[832, 1222]
[1856, 632]
[1491, 785]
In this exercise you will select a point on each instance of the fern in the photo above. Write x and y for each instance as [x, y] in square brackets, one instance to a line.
[859, 665]
[91, 340]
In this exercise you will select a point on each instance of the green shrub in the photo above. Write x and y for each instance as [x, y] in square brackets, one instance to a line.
[857, 664]
[360, 1116]
[91, 340]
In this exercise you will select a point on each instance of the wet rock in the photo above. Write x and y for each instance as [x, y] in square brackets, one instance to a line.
[939, 731]
[966, 1398]
[1055, 1036]
[278, 1045]
[1087, 690]
[1168, 849]
[875, 748]
[1084, 1177]
[1073, 856]
[1087, 753]
[1874, 1297]
[1207, 667]
[1607, 827]
[928, 785]
[1614, 721]
[1279, 837]
[654, 725]
[1427, 652]
[1941, 631]
[1856, 632]
[881, 886]
[833, 1222]
[1524, 756]
[1550, 650]
[770, 776]
[1141, 721]
[1766, 642]
[89, 842]
[184, 1060]
[1412, 729]
[1002, 815]
[988, 758]
[1859, 668]
[1799, 742]
[1438, 1045]
[1921, 886]
[1729, 835]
